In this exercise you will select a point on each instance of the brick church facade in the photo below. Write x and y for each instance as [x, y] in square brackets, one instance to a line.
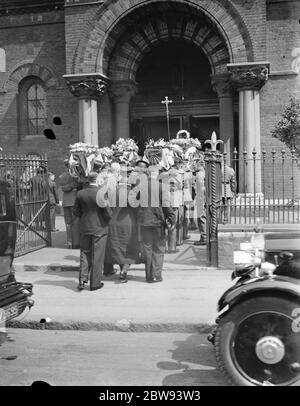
[103, 68]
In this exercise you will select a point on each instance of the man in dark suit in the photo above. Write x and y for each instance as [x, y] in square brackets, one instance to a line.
[153, 221]
[70, 186]
[93, 227]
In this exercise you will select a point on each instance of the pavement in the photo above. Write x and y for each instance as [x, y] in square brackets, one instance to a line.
[185, 301]
[107, 359]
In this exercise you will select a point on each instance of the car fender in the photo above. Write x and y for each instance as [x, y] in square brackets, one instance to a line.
[275, 284]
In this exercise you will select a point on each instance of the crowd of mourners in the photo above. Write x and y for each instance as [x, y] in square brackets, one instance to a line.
[110, 228]
[121, 212]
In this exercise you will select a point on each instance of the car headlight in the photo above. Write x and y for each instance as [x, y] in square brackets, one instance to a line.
[268, 268]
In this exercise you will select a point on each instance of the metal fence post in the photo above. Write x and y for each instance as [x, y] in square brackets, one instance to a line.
[213, 188]
[47, 212]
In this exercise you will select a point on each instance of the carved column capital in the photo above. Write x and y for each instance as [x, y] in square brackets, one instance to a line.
[88, 85]
[123, 90]
[249, 76]
[222, 85]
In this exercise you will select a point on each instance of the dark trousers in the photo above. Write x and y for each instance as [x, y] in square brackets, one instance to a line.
[172, 234]
[154, 242]
[185, 223]
[72, 227]
[92, 253]
[202, 226]
[52, 216]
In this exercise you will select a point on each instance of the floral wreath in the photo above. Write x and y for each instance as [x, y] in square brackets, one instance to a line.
[180, 132]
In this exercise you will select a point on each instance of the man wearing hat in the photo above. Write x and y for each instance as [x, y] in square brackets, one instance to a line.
[93, 225]
[70, 186]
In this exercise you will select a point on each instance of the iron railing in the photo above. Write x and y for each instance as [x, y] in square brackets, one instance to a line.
[267, 188]
[28, 178]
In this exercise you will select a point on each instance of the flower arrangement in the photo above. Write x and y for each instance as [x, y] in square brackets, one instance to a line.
[125, 145]
[159, 153]
[81, 147]
[185, 142]
[105, 154]
[161, 143]
[176, 150]
[81, 161]
[185, 147]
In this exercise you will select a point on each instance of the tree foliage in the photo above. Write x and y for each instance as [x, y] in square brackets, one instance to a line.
[287, 129]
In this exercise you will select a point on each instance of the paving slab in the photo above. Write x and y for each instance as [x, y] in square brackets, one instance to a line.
[185, 301]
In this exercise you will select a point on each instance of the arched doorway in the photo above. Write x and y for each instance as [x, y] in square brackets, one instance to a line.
[118, 36]
[166, 49]
[180, 70]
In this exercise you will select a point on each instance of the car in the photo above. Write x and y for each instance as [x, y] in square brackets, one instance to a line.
[257, 336]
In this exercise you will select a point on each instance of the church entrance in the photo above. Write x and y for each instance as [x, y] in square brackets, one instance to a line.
[180, 70]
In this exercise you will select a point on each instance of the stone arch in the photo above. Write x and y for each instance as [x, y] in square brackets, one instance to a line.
[25, 69]
[122, 58]
[90, 55]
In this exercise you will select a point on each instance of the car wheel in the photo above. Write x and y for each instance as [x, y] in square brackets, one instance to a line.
[258, 342]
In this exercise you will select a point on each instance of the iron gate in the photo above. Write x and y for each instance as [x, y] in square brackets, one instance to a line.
[28, 177]
[265, 192]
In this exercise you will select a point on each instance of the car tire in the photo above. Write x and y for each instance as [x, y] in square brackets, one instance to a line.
[228, 328]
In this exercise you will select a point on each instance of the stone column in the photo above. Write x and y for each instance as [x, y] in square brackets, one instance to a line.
[248, 79]
[222, 85]
[121, 92]
[87, 88]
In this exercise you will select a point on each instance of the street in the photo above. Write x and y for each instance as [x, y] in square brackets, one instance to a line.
[94, 358]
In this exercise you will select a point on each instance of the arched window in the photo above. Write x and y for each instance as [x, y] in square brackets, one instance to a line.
[33, 106]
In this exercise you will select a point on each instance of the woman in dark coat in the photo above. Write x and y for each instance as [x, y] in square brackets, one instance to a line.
[122, 243]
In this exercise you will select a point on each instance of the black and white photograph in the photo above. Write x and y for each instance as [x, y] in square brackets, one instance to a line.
[149, 197]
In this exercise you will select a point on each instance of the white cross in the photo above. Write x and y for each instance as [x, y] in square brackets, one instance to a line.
[167, 102]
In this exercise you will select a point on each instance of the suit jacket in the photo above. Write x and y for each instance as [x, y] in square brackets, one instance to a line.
[53, 195]
[158, 209]
[93, 219]
[69, 186]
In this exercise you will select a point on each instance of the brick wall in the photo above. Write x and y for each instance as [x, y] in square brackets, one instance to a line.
[79, 21]
[54, 40]
[283, 39]
[29, 41]
[253, 15]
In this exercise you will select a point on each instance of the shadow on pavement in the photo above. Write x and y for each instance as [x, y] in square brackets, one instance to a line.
[4, 337]
[188, 255]
[68, 284]
[194, 362]
[72, 258]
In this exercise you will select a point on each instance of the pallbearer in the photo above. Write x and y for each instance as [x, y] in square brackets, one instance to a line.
[93, 233]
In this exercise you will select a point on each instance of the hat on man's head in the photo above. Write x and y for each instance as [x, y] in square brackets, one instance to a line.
[92, 177]
[142, 161]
